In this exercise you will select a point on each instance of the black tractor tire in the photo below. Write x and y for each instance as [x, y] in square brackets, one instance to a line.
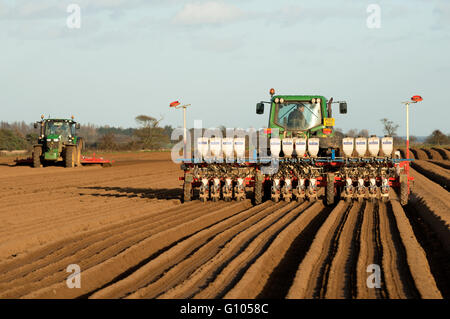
[259, 191]
[37, 153]
[330, 193]
[404, 196]
[69, 156]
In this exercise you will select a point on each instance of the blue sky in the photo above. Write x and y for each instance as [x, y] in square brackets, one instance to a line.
[134, 57]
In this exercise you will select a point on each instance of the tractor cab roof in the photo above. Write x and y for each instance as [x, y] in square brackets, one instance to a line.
[299, 97]
[59, 120]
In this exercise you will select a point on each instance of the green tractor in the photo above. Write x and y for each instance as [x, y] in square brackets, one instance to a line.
[299, 158]
[57, 142]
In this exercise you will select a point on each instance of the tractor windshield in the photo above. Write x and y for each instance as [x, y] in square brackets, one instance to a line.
[58, 128]
[298, 115]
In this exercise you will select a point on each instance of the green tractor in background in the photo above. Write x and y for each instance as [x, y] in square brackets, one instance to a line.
[57, 142]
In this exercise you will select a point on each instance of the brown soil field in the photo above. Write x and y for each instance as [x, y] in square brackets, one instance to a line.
[445, 154]
[127, 229]
[403, 153]
[434, 172]
[419, 154]
[432, 153]
[445, 164]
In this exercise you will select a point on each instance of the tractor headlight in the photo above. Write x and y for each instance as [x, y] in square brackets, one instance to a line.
[277, 100]
[55, 140]
[281, 100]
[49, 140]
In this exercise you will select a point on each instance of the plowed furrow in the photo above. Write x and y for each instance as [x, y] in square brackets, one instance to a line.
[36, 191]
[309, 272]
[207, 271]
[403, 153]
[62, 217]
[257, 276]
[433, 172]
[399, 283]
[130, 259]
[89, 254]
[25, 243]
[323, 272]
[420, 154]
[369, 254]
[341, 282]
[65, 229]
[435, 250]
[415, 256]
[432, 202]
[433, 154]
[155, 277]
[444, 164]
[443, 152]
[102, 239]
[232, 272]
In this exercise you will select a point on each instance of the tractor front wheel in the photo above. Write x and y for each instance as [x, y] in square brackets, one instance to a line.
[69, 156]
[37, 153]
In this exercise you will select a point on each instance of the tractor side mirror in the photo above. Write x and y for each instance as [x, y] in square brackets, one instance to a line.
[36, 125]
[77, 126]
[260, 108]
[343, 108]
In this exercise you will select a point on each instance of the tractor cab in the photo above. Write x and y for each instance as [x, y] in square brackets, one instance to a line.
[297, 115]
[301, 115]
[64, 130]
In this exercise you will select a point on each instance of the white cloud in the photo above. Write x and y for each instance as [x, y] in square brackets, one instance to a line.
[211, 12]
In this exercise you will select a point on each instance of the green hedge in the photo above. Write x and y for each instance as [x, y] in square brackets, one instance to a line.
[11, 141]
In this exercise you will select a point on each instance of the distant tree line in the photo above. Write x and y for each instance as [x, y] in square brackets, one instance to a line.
[148, 135]
[438, 138]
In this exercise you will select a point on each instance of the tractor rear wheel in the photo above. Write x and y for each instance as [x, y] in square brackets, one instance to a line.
[404, 195]
[37, 152]
[330, 194]
[69, 156]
